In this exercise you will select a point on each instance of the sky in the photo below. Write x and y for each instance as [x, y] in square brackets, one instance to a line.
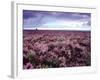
[33, 19]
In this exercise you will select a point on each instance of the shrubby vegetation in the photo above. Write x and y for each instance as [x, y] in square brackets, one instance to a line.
[53, 49]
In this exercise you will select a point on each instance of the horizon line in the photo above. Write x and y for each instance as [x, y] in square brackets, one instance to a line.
[74, 29]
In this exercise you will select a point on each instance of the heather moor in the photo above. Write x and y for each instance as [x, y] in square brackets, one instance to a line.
[53, 39]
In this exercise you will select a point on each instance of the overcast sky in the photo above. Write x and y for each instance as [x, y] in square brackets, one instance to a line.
[50, 19]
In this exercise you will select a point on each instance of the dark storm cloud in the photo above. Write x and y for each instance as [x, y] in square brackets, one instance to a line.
[70, 15]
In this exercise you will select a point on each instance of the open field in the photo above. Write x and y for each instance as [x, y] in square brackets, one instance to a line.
[55, 48]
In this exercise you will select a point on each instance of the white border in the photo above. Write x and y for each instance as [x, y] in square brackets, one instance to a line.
[17, 70]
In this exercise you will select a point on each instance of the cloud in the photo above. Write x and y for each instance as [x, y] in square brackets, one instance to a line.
[42, 19]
